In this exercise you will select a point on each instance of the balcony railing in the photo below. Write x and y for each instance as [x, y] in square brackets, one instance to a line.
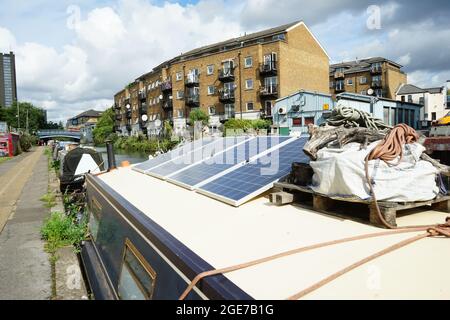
[126, 101]
[142, 95]
[376, 84]
[118, 117]
[339, 75]
[376, 69]
[268, 68]
[193, 100]
[269, 90]
[143, 110]
[192, 80]
[167, 104]
[128, 126]
[226, 96]
[117, 106]
[166, 86]
[129, 114]
[226, 75]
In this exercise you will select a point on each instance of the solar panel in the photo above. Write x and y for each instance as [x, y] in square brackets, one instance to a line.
[256, 177]
[222, 163]
[166, 157]
[189, 159]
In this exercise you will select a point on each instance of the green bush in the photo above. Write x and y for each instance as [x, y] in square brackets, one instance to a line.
[198, 115]
[142, 144]
[60, 230]
[246, 125]
[26, 142]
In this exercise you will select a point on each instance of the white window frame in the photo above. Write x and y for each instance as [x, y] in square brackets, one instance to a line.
[180, 95]
[210, 93]
[179, 76]
[247, 87]
[212, 110]
[210, 70]
[349, 82]
[180, 113]
[363, 80]
[246, 65]
[253, 106]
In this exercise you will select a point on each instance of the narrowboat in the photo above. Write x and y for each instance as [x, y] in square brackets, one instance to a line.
[156, 226]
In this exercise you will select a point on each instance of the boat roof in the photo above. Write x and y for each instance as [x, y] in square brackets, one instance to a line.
[223, 236]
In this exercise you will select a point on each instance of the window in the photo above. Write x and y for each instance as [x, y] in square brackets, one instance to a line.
[180, 95]
[249, 84]
[433, 116]
[210, 69]
[94, 218]
[422, 100]
[268, 108]
[211, 90]
[331, 84]
[179, 76]
[180, 113]
[297, 122]
[363, 80]
[364, 92]
[250, 106]
[403, 98]
[412, 118]
[248, 62]
[229, 111]
[410, 99]
[350, 82]
[137, 278]
[212, 110]
[340, 85]
[279, 37]
[309, 120]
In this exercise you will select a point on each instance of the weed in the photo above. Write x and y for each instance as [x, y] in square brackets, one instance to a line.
[60, 231]
[49, 200]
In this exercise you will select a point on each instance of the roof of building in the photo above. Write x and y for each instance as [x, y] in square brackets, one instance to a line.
[89, 114]
[361, 65]
[230, 44]
[412, 89]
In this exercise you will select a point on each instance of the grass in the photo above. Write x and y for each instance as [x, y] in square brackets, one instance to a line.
[49, 200]
[4, 159]
[61, 231]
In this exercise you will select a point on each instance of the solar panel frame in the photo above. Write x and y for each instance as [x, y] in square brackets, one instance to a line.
[171, 155]
[223, 170]
[254, 164]
[164, 176]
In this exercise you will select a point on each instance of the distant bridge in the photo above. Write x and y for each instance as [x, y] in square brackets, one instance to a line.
[52, 134]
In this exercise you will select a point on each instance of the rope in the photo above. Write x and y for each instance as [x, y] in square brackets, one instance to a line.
[249, 264]
[350, 118]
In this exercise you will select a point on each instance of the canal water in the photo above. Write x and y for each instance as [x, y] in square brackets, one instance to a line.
[121, 155]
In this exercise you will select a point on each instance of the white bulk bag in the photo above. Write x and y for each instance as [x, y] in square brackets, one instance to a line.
[341, 172]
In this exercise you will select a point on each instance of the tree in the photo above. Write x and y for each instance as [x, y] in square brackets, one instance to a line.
[36, 116]
[198, 115]
[104, 127]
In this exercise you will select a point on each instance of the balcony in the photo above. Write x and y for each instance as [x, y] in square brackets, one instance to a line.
[142, 95]
[269, 91]
[339, 75]
[128, 126]
[143, 110]
[268, 69]
[226, 96]
[118, 117]
[166, 86]
[339, 87]
[376, 69]
[376, 84]
[226, 75]
[126, 101]
[167, 105]
[192, 81]
[129, 114]
[116, 106]
[193, 101]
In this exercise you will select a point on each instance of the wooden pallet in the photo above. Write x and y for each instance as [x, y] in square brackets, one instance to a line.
[327, 204]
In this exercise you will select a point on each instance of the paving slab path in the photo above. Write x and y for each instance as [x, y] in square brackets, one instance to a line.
[25, 270]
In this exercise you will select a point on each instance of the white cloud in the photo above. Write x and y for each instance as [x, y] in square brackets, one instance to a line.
[7, 40]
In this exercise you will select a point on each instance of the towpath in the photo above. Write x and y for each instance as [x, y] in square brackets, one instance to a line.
[25, 271]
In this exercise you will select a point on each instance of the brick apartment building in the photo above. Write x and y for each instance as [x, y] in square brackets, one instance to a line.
[237, 78]
[380, 74]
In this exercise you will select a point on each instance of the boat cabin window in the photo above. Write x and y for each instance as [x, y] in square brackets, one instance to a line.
[94, 218]
[137, 278]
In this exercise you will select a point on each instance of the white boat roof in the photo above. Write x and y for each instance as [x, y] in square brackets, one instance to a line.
[225, 236]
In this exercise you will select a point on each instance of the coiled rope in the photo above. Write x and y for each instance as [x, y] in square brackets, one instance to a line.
[350, 118]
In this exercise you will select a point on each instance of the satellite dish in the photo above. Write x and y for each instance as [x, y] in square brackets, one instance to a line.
[370, 92]
[158, 123]
[144, 118]
[128, 106]
[161, 97]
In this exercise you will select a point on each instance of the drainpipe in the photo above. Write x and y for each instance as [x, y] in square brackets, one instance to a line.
[111, 157]
[240, 82]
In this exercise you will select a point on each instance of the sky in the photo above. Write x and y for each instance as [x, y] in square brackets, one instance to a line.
[72, 56]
